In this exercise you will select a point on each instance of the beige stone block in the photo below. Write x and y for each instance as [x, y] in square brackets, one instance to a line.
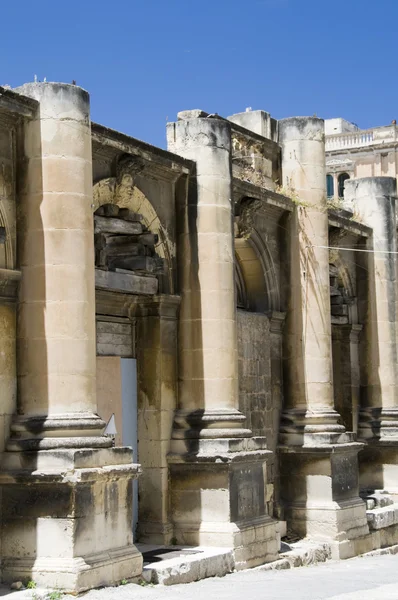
[153, 492]
[208, 363]
[212, 393]
[56, 356]
[155, 424]
[42, 393]
[51, 210]
[214, 505]
[152, 453]
[58, 174]
[62, 138]
[58, 247]
[57, 283]
[41, 319]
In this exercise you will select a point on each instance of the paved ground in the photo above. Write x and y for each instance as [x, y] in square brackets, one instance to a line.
[370, 578]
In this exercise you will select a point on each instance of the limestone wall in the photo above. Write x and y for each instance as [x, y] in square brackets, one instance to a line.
[256, 400]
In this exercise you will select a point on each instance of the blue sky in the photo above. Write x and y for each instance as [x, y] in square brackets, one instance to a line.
[143, 61]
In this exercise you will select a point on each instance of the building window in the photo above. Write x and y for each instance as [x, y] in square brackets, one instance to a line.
[329, 186]
[342, 179]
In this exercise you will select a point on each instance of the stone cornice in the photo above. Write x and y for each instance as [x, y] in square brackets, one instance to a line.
[14, 106]
[244, 189]
[342, 222]
[161, 163]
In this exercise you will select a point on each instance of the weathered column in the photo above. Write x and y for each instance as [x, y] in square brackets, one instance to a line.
[374, 200]
[56, 320]
[208, 369]
[319, 468]
[66, 492]
[217, 480]
[308, 324]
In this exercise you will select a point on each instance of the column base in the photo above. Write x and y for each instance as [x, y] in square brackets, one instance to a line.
[219, 498]
[320, 492]
[76, 575]
[67, 517]
[303, 427]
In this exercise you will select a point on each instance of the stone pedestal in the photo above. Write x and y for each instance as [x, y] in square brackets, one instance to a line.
[67, 518]
[73, 531]
[318, 457]
[374, 200]
[211, 450]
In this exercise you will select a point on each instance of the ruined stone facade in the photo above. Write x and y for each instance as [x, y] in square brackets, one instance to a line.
[235, 328]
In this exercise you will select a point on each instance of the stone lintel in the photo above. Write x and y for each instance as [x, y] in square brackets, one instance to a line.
[126, 282]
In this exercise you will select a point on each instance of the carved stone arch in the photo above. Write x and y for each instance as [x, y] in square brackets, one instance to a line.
[257, 269]
[121, 191]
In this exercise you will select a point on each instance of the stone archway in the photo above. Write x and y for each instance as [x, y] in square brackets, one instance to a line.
[256, 274]
[121, 191]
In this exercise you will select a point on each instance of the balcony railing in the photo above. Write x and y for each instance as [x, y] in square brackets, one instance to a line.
[358, 139]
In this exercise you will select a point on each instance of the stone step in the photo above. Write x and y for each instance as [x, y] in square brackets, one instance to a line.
[299, 554]
[186, 564]
[378, 501]
[379, 518]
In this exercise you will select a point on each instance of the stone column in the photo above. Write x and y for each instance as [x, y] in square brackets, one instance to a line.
[66, 492]
[374, 199]
[308, 324]
[208, 360]
[319, 465]
[56, 316]
[217, 469]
